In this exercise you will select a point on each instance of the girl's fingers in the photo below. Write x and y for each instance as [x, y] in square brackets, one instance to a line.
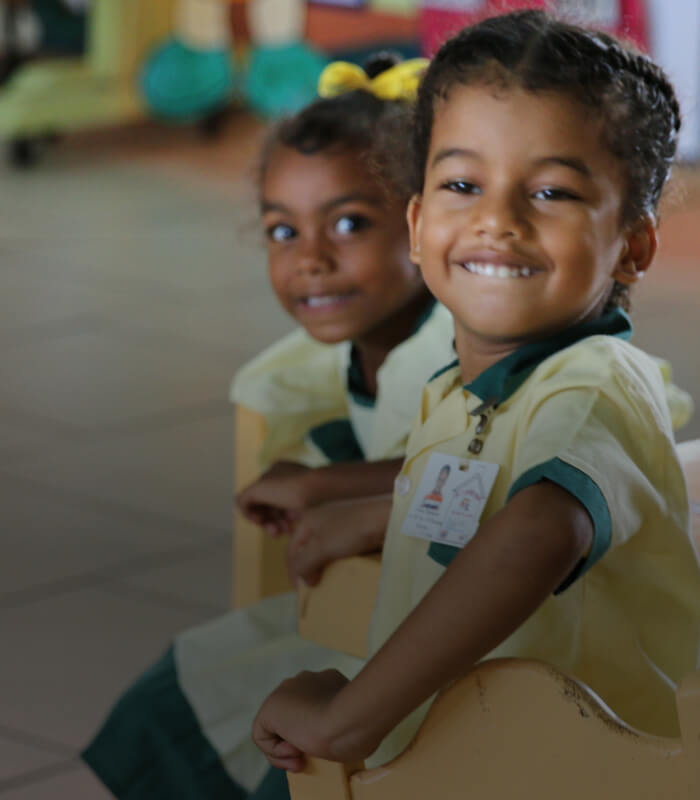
[288, 764]
[280, 753]
[284, 749]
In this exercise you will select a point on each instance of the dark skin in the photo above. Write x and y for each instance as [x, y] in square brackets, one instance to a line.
[340, 265]
[518, 233]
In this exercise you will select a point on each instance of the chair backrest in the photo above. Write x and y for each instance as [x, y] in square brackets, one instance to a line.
[514, 728]
[123, 32]
[689, 454]
[259, 567]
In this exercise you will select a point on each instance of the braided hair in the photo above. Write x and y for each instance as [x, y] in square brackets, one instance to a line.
[533, 50]
[355, 121]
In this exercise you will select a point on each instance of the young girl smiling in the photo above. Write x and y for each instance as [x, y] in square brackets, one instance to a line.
[338, 396]
[542, 150]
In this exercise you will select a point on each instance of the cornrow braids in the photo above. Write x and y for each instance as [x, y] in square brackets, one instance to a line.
[537, 52]
[533, 50]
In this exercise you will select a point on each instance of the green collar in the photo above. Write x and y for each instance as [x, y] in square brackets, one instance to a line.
[497, 383]
[356, 380]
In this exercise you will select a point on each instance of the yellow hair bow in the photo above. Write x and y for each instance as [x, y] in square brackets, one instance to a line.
[399, 82]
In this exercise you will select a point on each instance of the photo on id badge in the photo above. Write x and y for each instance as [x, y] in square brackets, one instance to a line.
[450, 499]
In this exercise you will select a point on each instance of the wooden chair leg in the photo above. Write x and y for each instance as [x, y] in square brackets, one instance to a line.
[322, 780]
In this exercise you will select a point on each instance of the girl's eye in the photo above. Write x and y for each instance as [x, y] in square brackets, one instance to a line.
[550, 193]
[461, 187]
[351, 223]
[280, 232]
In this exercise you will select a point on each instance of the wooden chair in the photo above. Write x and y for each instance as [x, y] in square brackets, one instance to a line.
[259, 567]
[510, 728]
[521, 729]
[689, 453]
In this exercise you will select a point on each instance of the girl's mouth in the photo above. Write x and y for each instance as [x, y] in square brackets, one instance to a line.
[325, 302]
[500, 271]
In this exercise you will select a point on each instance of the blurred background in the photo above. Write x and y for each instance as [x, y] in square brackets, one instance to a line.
[133, 285]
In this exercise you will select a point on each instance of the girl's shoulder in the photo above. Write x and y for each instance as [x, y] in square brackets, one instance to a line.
[598, 360]
[293, 373]
[612, 368]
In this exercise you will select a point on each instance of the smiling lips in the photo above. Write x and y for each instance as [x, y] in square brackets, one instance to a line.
[325, 301]
[498, 270]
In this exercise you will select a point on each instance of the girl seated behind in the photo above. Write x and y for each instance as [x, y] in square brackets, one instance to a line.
[340, 391]
[541, 153]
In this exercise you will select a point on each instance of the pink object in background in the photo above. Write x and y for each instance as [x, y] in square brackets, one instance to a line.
[439, 19]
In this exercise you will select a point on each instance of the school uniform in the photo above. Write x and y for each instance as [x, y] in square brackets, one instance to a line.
[183, 729]
[589, 412]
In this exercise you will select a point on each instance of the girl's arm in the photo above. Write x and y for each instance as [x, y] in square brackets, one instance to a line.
[279, 496]
[516, 560]
[336, 530]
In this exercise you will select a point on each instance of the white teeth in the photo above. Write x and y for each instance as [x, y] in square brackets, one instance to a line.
[323, 300]
[497, 271]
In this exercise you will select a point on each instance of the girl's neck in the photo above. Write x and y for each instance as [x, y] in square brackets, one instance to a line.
[476, 354]
[374, 346]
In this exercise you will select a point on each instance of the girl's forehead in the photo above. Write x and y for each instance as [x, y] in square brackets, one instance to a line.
[288, 169]
[315, 181]
[495, 122]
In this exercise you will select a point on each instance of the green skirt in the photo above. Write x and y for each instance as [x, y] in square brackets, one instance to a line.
[182, 730]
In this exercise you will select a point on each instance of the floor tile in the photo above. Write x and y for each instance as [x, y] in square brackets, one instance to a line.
[30, 437]
[67, 658]
[203, 580]
[183, 471]
[49, 539]
[73, 782]
[18, 757]
[96, 378]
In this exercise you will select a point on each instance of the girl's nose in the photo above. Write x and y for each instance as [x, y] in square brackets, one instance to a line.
[314, 258]
[499, 217]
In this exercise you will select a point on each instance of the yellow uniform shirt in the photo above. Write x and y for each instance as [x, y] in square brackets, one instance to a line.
[315, 406]
[589, 412]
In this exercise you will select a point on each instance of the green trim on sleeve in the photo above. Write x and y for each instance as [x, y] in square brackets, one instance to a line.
[442, 553]
[337, 441]
[583, 488]
[586, 491]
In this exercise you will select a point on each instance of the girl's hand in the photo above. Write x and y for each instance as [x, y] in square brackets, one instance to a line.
[294, 721]
[333, 531]
[277, 498]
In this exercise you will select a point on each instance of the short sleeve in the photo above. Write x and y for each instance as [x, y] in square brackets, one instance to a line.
[596, 427]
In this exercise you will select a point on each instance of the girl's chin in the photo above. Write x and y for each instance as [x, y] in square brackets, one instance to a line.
[329, 334]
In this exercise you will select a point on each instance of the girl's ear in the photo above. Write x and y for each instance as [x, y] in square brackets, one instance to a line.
[640, 248]
[413, 217]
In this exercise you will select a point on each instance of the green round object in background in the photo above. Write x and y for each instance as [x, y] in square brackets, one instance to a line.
[181, 83]
[282, 80]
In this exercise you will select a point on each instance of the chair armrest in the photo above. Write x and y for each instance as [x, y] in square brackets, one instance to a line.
[689, 455]
[336, 612]
[259, 567]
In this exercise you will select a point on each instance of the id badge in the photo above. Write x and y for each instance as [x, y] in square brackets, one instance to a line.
[450, 499]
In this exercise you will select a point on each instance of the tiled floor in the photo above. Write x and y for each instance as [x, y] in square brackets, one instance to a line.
[131, 288]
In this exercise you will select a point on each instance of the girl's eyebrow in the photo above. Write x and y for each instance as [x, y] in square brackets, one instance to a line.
[572, 162]
[265, 206]
[451, 152]
[329, 205]
[353, 197]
